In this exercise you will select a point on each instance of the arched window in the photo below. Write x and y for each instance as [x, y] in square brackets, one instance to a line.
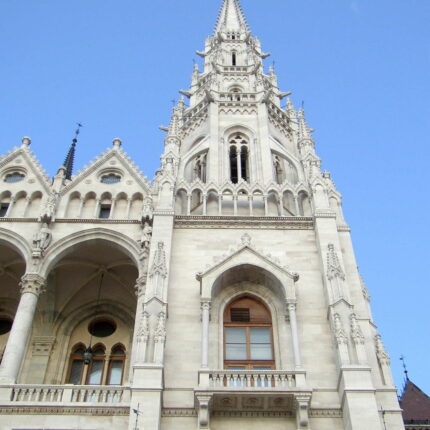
[76, 368]
[239, 158]
[233, 59]
[248, 336]
[116, 365]
[95, 367]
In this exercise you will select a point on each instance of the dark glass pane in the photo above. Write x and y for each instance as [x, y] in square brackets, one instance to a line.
[102, 328]
[3, 209]
[5, 326]
[14, 177]
[76, 372]
[104, 211]
[111, 179]
[118, 352]
[239, 315]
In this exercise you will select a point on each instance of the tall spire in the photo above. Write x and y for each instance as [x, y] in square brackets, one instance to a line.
[231, 17]
[70, 157]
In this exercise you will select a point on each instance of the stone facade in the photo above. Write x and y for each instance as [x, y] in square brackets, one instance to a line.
[128, 296]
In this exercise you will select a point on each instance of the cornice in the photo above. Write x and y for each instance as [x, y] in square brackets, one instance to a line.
[65, 410]
[229, 222]
[96, 221]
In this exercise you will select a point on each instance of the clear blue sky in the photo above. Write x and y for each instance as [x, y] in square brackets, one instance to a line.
[360, 66]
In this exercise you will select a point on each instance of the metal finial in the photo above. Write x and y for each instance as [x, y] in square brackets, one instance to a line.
[405, 369]
[70, 157]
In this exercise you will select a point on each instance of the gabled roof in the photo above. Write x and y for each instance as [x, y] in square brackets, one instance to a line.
[415, 403]
[32, 161]
[101, 160]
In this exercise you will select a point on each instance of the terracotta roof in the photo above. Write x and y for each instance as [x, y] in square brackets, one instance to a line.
[415, 404]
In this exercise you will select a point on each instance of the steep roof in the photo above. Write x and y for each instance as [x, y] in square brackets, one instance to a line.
[231, 17]
[415, 404]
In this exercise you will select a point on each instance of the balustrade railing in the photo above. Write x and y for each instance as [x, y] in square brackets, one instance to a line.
[68, 394]
[251, 379]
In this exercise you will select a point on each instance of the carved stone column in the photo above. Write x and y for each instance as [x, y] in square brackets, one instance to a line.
[358, 339]
[31, 287]
[160, 338]
[341, 340]
[294, 333]
[206, 306]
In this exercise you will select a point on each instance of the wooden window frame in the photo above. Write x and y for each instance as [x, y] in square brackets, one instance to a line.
[76, 357]
[249, 364]
[99, 357]
[113, 358]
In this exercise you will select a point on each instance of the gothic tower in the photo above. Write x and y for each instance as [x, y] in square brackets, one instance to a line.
[249, 310]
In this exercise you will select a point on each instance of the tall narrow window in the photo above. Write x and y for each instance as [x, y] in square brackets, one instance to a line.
[104, 211]
[239, 158]
[244, 163]
[248, 336]
[3, 209]
[76, 368]
[116, 365]
[233, 165]
[233, 58]
[95, 368]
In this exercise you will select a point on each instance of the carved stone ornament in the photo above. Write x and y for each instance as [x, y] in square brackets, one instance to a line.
[334, 269]
[140, 286]
[143, 333]
[42, 239]
[32, 283]
[381, 353]
[160, 331]
[364, 289]
[145, 238]
[356, 333]
[48, 213]
[148, 209]
[159, 264]
[339, 331]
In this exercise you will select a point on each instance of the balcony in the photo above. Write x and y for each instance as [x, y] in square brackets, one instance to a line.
[115, 398]
[268, 390]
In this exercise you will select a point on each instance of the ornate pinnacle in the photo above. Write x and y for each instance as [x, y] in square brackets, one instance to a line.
[231, 17]
[70, 157]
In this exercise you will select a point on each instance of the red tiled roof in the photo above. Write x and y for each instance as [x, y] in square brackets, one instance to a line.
[415, 403]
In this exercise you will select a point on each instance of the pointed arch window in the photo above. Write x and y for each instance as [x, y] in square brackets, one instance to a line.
[95, 367]
[76, 367]
[248, 343]
[239, 158]
[116, 365]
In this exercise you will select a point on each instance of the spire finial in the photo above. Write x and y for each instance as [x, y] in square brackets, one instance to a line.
[70, 157]
[231, 17]
[405, 369]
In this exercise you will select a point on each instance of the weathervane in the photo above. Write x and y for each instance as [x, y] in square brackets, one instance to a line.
[405, 369]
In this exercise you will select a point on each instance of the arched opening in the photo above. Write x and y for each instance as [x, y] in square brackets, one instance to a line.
[105, 208]
[73, 208]
[248, 337]
[95, 304]
[273, 204]
[181, 202]
[5, 201]
[197, 202]
[212, 203]
[136, 206]
[89, 206]
[258, 208]
[288, 203]
[121, 203]
[35, 205]
[304, 205]
[20, 205]
[116, 365]
[238, 158]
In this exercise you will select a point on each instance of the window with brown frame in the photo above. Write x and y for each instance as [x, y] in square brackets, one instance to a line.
[76, 367]
[248, 343]
[96, 365]
[116, 365]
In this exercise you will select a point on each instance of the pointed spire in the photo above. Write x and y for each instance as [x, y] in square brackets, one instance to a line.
[70, 157]
[303, 127]
[231, 17]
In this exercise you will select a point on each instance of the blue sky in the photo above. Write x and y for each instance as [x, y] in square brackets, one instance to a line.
[361, 67]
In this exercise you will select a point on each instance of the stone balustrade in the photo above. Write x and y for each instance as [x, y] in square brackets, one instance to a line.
[282, 380]
[63, 394]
